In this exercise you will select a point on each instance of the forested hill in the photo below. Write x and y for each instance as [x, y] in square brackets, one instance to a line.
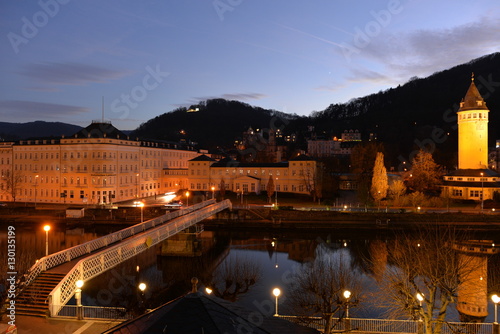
[36, 129]
[212, 123]
[421, 110]
[414, 110]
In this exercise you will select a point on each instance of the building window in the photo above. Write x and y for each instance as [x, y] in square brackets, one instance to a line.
[475, 193]
[457, 192]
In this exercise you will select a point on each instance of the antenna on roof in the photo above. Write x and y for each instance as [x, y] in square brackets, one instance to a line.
[102, 109]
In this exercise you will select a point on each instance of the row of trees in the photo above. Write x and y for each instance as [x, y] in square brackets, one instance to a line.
[423, 177]
[423, 274]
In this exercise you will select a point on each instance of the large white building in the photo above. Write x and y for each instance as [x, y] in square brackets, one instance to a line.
[97, 165]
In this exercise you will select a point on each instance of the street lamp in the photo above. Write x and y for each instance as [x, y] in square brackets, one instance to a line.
[213, 192]
[141, 205]
[276, 293]
[347, 295]
[420, 298]
[496, 300]
[78, 296]
[482, 192]
[137, 185]
[187, 198]
[46, 228]
[36, 184]
[276, 195]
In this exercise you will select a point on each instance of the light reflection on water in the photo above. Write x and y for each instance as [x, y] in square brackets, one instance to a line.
[169, 277]
[277, 253]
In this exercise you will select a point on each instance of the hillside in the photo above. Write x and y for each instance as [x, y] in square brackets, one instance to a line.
[410, 112]
[213, 123]
[37, 129]
[400, 117]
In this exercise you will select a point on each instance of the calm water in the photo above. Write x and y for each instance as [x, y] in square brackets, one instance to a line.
[266, 258]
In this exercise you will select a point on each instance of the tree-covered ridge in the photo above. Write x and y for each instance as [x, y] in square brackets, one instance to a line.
[212, 123]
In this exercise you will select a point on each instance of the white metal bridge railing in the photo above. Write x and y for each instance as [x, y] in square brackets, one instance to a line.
[69, 254]
[97, 263]
[95, 312]
[390, 326]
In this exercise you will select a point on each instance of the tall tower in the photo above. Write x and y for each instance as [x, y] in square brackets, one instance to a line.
[473, 130]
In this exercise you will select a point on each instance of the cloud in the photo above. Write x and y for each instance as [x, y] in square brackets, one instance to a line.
[71, 73]
[30, 110]
[235, 96]
[423, 52]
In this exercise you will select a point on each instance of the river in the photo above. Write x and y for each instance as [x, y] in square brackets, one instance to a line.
[264, 258]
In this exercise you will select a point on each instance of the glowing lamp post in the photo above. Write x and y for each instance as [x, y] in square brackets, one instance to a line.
[46, 228]
[141, 205]
[78, 296]
[347, 295]
[420, 298]
[482, 193]
[496, 300]
[276, 293]
[213, 192]
[36, 184]
[187, 198]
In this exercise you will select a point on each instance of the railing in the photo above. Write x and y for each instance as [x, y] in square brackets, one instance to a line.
[108, 258]
[390, 326]
[383, 325]
[95, 312]
[69, 254]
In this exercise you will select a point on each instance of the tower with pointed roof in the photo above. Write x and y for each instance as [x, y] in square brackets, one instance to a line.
[473, 130]
[473, 180]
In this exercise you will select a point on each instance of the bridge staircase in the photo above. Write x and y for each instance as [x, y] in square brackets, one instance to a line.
[33, 300]
[45, 292]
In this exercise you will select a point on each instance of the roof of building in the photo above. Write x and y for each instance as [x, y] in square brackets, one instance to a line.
[100, 130]
[202, 157]
[474, 173]
[473, 99]
[199, 313]
[302, 157]
[234, 163]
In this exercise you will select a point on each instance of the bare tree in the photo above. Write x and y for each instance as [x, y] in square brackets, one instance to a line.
[397, 189]
[270, 189]
[317, 289]
[425, 275]
[233, 278]
[425, 174]
[11, 183]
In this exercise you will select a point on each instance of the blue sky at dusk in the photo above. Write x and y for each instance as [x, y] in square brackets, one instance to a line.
[60, 57]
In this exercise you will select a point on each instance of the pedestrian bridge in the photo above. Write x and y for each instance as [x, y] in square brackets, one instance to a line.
[90, 259]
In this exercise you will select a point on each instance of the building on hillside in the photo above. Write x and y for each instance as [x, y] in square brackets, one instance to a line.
[261, 145]
[294, 176]
[324, 148]
[473, 180]
[97, 165]
[494, 157]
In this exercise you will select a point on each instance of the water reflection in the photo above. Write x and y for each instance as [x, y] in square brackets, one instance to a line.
[272, 256]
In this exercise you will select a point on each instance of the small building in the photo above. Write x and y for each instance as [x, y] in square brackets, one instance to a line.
[74, 212]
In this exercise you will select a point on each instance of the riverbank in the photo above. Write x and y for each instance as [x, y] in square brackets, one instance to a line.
[257, 215]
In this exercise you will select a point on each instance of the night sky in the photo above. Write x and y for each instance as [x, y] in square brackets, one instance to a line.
[59, 58]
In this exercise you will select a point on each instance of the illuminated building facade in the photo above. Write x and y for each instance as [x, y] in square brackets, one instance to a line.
[328, 148]
[473, 179]
[97, 165]
[294, 176]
